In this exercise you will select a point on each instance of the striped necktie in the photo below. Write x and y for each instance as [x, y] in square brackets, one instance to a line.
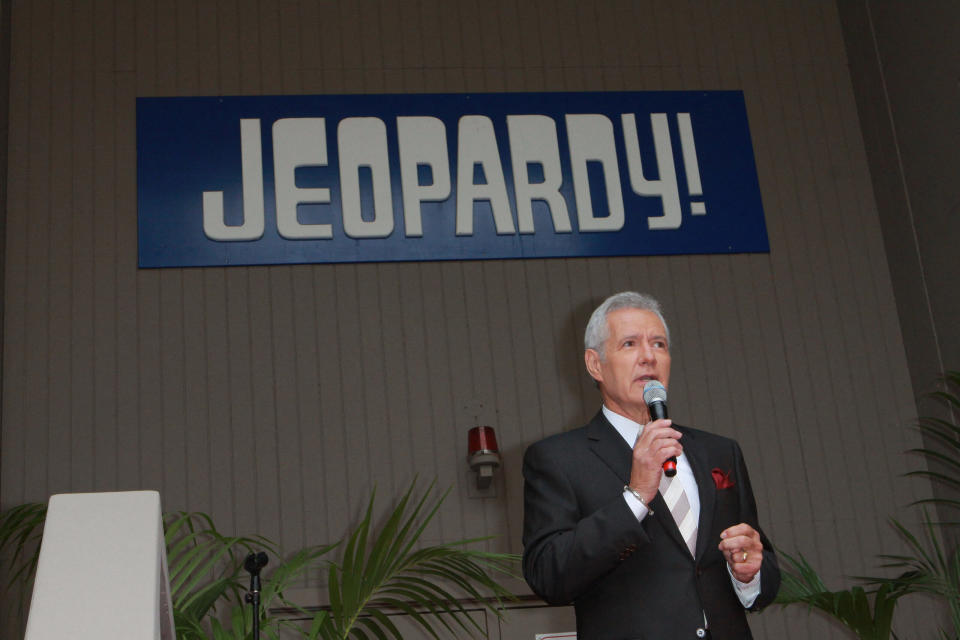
[676, 498]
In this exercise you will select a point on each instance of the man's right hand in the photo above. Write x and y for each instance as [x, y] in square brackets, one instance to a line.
[658, 442]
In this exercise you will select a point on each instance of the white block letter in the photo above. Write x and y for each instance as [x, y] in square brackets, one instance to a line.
[477, 144]
[251, 158]
[362, 142]
[666, 186]
[591, 139]
[423, 140]
[298, 142]
[533, 139]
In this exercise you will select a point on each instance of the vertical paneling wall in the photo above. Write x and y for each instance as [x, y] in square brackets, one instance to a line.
[277, 398]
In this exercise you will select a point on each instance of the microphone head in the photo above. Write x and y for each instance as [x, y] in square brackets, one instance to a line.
[255, 562]
[654, 391]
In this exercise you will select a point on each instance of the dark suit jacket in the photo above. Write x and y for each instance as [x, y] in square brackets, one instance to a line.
[582, 544]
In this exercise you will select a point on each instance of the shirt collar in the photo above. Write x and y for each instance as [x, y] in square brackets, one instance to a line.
[627, 428]
[630, 431]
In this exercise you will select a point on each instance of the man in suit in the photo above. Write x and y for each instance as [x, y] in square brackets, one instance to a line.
[598, 529]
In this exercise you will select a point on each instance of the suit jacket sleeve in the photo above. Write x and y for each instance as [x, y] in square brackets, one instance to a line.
[769, 569]
[571, 538]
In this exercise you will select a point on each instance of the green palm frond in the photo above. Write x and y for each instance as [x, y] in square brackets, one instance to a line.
[205, 565]
[205, 570]
[239, 622]
[929, 568]
[379, 573]
[943, 450]
[800, 583]
[385, 571]
[21, 529]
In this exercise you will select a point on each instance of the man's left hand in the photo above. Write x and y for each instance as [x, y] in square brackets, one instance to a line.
[741, 546]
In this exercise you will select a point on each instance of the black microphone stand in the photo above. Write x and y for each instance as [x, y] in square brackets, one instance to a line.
[253, 564]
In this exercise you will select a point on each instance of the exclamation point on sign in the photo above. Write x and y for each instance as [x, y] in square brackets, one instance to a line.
[690, 165]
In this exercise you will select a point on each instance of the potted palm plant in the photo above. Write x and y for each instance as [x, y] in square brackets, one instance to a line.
[930, 566]
[378, 570]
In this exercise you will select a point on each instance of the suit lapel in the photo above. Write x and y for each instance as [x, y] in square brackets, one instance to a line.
[706, 488]
[609, 446]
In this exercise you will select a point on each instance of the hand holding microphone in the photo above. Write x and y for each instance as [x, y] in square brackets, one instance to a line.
[655, 451]
[655, 395]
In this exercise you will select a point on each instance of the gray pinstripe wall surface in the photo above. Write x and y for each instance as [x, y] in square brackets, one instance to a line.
[276, 398]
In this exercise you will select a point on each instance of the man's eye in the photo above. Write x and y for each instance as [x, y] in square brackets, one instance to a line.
[628, 343]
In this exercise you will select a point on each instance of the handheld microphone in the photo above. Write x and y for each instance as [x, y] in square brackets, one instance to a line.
[655, 395]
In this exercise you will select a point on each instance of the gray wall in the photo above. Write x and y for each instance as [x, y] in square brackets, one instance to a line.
[276, 398]
[4, 122]
[905, 68]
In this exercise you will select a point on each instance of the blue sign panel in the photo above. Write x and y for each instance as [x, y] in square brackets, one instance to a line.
[370, 178]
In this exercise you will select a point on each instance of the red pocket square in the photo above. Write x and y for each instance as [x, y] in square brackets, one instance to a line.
[722, 479]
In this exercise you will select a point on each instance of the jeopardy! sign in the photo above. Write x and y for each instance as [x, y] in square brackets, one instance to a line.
[370, 178]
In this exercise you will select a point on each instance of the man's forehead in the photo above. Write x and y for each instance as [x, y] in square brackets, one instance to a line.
[632, 321]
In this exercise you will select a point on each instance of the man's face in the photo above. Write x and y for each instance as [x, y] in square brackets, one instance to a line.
[635, 352]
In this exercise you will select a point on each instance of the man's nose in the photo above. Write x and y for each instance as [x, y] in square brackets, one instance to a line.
[647, 353]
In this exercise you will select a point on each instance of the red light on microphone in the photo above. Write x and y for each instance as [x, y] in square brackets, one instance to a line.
[670, 467]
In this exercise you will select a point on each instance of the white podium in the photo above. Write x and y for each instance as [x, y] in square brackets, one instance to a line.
[102, 571]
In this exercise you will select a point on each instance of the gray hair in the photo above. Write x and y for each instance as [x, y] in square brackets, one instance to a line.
[598, 330]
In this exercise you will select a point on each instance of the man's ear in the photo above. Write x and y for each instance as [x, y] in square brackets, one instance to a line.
[592, 359]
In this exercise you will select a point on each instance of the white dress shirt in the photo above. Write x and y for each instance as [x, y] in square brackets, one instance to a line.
[747, 592]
